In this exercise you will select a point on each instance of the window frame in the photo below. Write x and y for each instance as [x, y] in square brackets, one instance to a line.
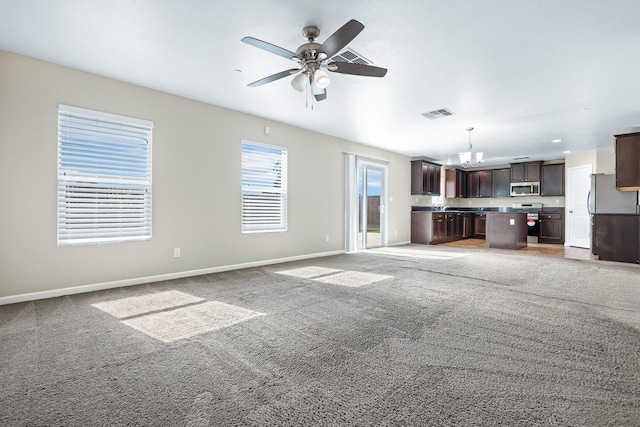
[267, 225]
[107, 200]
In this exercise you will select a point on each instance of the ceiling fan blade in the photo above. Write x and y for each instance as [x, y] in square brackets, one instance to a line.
[273, 77]
[271, 48]
[356, 69]
[341, 38]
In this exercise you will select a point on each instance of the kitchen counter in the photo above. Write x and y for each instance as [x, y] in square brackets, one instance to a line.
[473, 210]
[506, 230]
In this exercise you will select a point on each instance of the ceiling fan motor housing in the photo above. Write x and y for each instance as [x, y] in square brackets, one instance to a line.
[309, 51]
[311, 32]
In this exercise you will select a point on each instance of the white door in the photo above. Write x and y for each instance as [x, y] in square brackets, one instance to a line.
[579, 220]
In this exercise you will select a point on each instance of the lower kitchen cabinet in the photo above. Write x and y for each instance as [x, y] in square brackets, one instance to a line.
[616, 237]
[464, 225]
[431, 228]
[427, 227]
[551, 228]
[479, 225]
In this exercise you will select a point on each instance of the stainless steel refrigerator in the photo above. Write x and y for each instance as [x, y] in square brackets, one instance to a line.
[605, 198]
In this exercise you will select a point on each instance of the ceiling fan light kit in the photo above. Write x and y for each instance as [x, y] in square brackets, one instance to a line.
[321, 79]
[314, 58]
[299, 82]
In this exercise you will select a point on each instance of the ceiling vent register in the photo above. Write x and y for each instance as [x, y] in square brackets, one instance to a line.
[438, 114]
[351, 56]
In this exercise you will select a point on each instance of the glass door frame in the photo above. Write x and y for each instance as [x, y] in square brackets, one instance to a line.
[365, 165]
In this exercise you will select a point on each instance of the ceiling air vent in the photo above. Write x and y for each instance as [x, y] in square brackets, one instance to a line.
[351, 56]
[521, 158]
[438, 114]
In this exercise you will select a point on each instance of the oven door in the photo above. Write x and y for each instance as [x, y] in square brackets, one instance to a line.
[533, 227]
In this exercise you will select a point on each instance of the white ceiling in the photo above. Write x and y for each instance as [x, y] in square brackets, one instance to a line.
[521, 72]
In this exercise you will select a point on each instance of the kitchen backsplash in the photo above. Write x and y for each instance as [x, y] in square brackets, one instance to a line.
[551, 202]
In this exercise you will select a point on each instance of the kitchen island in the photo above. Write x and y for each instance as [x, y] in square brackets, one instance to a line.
[506, 230]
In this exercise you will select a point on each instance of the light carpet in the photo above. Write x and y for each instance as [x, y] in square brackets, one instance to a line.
[474, 338]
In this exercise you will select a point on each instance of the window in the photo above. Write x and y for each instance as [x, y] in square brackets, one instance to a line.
[264, 188]
[104, 177]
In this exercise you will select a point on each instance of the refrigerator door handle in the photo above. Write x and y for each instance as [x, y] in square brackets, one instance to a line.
[589, 202]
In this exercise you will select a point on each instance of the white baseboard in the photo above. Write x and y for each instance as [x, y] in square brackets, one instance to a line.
[150, 279]
[399, 243]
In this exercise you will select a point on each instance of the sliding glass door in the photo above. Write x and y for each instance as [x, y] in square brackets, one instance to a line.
[371, 206]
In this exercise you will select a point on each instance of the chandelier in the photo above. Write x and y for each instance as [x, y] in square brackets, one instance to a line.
[469, 159]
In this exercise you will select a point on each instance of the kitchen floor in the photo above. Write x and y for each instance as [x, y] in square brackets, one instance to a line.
[536, 249]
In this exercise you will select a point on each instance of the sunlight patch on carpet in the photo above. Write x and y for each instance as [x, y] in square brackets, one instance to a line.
[134, 306]
[353, 278]
[185, 322]
[416, 253]
[309, 272]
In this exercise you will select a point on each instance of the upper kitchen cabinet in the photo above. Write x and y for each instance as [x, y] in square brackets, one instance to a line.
[480, 183]
[628, 162]
[501, 178]
[455, 183]
[525, 172]
[425, 178]
[552, 180]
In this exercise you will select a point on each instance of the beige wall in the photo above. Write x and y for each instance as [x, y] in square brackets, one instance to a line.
[196, 184]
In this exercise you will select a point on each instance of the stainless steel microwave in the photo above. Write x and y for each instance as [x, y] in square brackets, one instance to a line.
[525, 189]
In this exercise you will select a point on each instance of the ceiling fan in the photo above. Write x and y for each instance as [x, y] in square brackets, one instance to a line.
[313, 58]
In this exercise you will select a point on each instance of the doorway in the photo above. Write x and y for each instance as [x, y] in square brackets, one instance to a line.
[579, 221]
[372, 230]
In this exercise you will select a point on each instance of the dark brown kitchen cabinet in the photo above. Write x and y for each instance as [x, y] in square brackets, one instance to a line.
[552, 180]
[434, 227]
[525, 172]
[627, 148]
[431, 228]
[455, 183]
[465, 222]
[480, 183]
[479, 225]
[425, 178]
[551, 227]
[501, 178]
[616, 237]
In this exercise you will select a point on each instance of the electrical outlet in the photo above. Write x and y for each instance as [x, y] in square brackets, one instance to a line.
[176, 252]
[396, 232]
[326, 238]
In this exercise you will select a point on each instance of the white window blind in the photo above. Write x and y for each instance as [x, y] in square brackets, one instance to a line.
[264, 187]
[104, 177]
